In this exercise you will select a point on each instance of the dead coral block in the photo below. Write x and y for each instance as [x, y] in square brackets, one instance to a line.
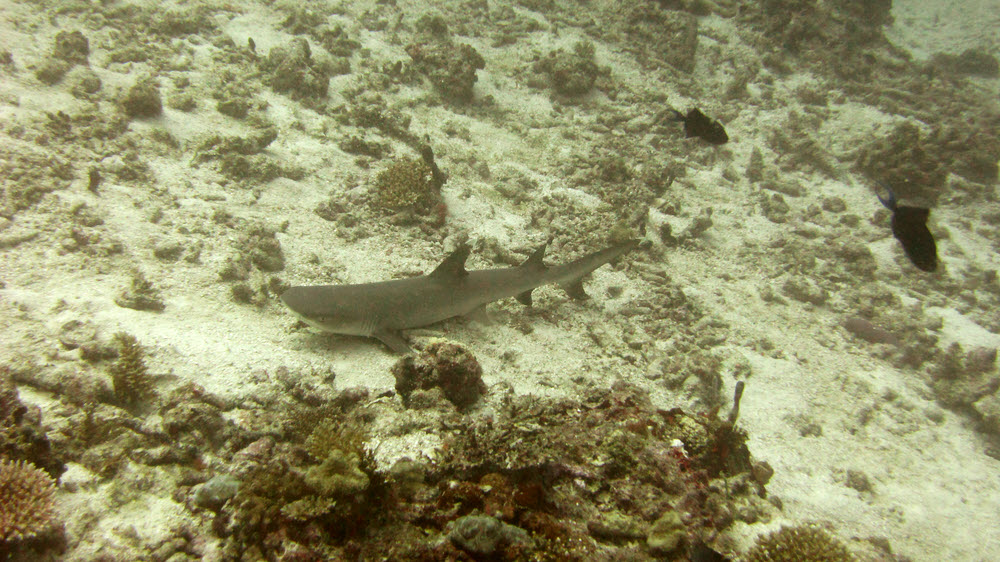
[140, 295]
[260, 246]
[444, 365]
[339, 474]
[485, 535]
[570, 73]
[72, 47]
[906, 161]
[293, 71]
[21, 433]
[451, 68]
[976, 62]
[143, 99]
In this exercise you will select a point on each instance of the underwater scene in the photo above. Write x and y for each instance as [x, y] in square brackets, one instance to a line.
[481, 280]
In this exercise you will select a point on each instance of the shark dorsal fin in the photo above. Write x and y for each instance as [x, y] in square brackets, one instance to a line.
[453, 266]
[534, 261]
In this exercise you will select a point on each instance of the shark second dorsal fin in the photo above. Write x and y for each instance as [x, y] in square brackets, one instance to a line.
[525, 298]
[453, 266]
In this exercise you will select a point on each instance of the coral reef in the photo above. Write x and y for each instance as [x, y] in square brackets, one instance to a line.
[540, 479]
[445, 365]
[807, 543]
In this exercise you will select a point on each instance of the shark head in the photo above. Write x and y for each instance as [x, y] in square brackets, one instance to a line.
[328, 310]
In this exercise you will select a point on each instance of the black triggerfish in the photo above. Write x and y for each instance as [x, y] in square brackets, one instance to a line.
[909, 226]
[697, 124]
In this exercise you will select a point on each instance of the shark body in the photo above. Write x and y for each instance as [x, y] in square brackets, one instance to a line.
[383, 309]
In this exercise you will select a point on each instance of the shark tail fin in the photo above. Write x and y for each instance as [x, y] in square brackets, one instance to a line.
[889, 201]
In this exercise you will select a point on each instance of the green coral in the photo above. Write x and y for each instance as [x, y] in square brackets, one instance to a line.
[339, 474]
[804, 543]
[329, 435]
[340, 446]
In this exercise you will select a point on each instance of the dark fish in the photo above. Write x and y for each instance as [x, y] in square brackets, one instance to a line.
[909, 226]
[697, 124]
[94, 179]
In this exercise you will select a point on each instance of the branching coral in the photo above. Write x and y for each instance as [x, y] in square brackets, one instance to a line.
[26, 500]
[129, 374]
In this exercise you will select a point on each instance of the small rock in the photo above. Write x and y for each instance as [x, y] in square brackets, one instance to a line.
[212, 494]
[666, 533]
[481, 534]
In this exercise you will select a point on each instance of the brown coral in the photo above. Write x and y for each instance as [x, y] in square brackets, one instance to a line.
[26, 500]
[444, 365]
[806, 543]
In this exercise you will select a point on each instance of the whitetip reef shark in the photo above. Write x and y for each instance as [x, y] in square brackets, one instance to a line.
[383, 309]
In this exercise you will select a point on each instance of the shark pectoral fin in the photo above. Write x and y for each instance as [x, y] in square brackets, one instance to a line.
[394, 339]
[525, 298]
[575, 289]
